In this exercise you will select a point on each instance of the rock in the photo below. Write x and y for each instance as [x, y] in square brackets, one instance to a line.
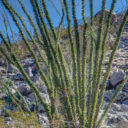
[18, 77]
[44, 120]
[45, 98]
[44, 89]
[2, 62]
[111, 39]
[116, 78]
[13, 91]
[8, 99]
[124, 108]
[41, 108]
[9, 122]
[24, 90]
[108, 85]
[31, 97]
[40, 85]
[28, 100]
[34, 70]
[117, 117]
[122, 97]
[108, 95]
[29, 71]
[2, 96]
[125, 88]
[125, 102]
[12, 69]
[116, 107]
[1, 112]
[9, 107]
[29, 62]
[114, 20]
[2, 70]
[35, 78]
[8, 119]
[20, 83]
[32, 107]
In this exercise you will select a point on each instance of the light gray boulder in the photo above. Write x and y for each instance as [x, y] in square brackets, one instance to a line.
[24, 90]
[116, 78]
[12, 69]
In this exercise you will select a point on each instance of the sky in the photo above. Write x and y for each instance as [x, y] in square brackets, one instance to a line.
[120, 6]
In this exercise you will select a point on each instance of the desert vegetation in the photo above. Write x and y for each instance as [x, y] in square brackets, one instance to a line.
[74, 69]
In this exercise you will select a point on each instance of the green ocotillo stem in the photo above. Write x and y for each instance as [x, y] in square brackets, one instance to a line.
[5, 54]
[49, 19]
[36, 102]
[91, 61]
[78, 52]
[47, 34]
[83, 100]
[47, 49]
[15, 101]
[75, 80]
[49, 90]
[96, 65]
[6, 26]
[59, 27]
[112, 101]
[21, 69]
[24, 100]
[54, 53]
[51, 95]
[68, 103]
[103, 87]
[45, 45]
[35, 29]
[55, 8]
[54, 32]
[32, 23]
[14, 97]
[8, 93]
[4, 13]
[104, 52]
[62, 64]
[27, 43]
[77, 37]
[30, 35]
[62, 60]
[50, 42]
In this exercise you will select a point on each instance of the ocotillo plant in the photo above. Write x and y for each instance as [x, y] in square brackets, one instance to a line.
[78, 89]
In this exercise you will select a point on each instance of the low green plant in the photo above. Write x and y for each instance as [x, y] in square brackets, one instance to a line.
[21, 120]
[76, 87]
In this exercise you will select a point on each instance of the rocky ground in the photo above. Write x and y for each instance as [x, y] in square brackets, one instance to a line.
[10, 72]
[118, 114]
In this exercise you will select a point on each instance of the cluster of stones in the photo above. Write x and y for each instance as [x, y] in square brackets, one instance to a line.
[10, 72]
[117, 117]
